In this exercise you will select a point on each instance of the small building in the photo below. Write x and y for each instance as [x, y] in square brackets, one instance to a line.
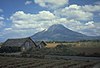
[41, 44]
[16, 45]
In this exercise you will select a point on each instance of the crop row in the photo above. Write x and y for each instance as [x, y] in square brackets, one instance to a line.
[11, 62]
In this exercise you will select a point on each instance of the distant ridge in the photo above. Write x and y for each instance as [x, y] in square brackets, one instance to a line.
[58, 32]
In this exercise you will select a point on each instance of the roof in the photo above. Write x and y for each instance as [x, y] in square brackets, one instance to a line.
[43, 42]
[39, 42]
[16, 42]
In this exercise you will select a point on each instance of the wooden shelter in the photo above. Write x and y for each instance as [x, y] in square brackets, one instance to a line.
[21, 44]
[41, 44]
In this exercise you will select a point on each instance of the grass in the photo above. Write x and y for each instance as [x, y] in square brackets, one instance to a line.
[86, 47]
[13, 62]
[76, 44]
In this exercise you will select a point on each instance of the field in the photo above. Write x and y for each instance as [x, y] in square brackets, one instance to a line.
[89, 48]
[12, 62]
[52, 45]
[86, 50]
[40, 58]
[75, 44]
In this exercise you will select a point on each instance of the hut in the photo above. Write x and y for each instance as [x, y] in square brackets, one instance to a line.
[18, 45]
[41, 44]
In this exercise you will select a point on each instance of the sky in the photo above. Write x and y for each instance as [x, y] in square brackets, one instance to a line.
[24, 18]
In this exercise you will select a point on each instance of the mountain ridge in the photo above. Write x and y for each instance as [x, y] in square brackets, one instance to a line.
[58, 32]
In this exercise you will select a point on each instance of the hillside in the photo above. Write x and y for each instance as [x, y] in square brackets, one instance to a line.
[58, 32]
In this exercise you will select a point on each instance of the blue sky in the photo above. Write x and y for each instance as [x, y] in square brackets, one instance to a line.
[23, 18]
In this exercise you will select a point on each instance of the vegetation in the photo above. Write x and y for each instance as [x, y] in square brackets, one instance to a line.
[73, 41]
[12, 62]
[8, 49]
[86, 48]
[82, 43]
[38, 56]
[79, 48]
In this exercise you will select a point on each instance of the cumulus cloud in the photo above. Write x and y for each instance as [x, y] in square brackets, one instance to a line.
[52, 4]
[28, 2]
[38, 22]
[80, 18]
[74, 17]
[92, 28]
[91, 8]
[17, 33]
[89, 28]
[90, 24]
[26, 24]
[74, 12]
[23, 20]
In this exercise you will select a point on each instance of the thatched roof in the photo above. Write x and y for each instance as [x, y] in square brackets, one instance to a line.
[16, 42]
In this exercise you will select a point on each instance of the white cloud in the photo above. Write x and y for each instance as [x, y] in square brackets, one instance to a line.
[1, 10]
[28, 2]
[80, 18]
[8, 29]
[17, 33]
[26, 24]
[23, 20]
[1, 18]
[51, 3]
[89, 28]
[74, 12]
[91, 8]
[92, 29]
[46, 15]
[74, 6]
[74, 17]
[77, 12]
[90, 24]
